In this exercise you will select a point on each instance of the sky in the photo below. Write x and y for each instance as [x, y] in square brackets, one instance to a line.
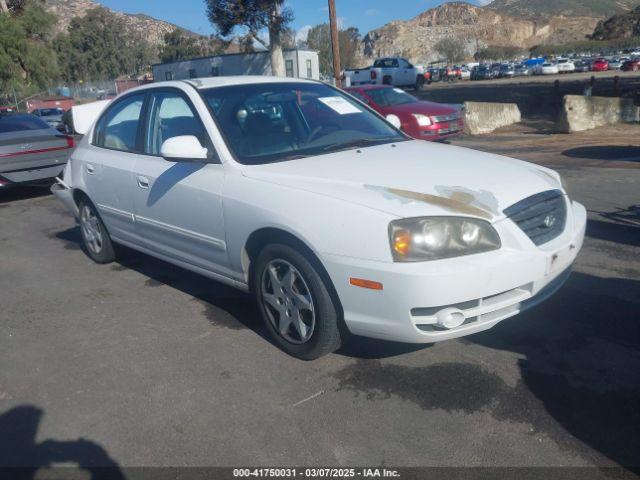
[364, 14]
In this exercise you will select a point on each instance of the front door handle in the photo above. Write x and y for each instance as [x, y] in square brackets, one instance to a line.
[143, 182]
[90, 169]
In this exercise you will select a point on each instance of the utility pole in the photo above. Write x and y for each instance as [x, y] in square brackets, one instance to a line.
[335, 43]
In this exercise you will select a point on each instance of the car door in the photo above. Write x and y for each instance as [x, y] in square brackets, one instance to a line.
[107, 165]
[178, 205]
[406, 70]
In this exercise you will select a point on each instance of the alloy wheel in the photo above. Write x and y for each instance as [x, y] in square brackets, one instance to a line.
[91, 230]
[287, 300]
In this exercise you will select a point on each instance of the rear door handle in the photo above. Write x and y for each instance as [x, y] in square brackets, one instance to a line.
[90, 169]
[143, 182]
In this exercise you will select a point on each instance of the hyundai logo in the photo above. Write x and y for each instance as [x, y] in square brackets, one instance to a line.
[549, 221]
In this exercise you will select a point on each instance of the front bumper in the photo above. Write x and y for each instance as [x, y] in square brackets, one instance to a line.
[487, 288]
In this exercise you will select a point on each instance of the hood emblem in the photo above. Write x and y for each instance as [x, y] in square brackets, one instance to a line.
[549, 221]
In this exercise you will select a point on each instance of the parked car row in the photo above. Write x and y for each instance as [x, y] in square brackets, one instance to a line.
[553, 67]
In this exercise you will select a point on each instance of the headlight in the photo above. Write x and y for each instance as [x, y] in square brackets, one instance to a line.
[422, 120]
[434, 238]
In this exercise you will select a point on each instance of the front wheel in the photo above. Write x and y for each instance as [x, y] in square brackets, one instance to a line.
[295, 303]
[96, 239]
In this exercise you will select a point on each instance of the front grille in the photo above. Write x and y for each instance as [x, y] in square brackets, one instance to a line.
[446, 118]
[542, 217]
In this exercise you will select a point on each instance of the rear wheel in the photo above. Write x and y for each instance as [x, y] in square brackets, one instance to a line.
[295, 303]
[96, 239]
[419, 83]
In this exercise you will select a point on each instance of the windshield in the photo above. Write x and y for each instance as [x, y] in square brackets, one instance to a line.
[270, 122]
[387, 97]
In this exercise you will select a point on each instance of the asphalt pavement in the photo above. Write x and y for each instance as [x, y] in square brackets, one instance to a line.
[140, 363]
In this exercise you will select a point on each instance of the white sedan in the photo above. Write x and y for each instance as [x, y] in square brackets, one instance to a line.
[335, 220]
[566, 66]
[550, 68]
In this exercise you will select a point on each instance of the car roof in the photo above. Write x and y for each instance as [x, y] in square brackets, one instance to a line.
[212, 82]
[369, 87]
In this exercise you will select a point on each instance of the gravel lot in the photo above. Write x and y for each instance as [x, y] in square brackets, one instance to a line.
[141, 363]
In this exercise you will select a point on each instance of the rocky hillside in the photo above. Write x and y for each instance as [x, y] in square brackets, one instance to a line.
[624, 25]
[151, 28]
[478, 27]
[543, 10]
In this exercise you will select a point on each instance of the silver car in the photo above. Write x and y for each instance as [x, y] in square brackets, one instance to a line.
[30, 150]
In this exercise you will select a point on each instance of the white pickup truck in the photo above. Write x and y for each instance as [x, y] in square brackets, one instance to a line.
[394, 71]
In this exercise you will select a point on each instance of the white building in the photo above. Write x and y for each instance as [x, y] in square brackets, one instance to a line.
[298, 63]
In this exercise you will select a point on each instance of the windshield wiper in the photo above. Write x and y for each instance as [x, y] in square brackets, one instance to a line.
[361, 142]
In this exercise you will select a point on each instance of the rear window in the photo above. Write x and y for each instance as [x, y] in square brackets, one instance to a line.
[46, 112]
[386, 63]
[19, 123]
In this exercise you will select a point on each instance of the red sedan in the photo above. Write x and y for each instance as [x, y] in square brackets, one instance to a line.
[419, 119]
[600, 65]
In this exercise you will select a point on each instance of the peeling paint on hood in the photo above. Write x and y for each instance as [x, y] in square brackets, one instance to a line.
[455, 199]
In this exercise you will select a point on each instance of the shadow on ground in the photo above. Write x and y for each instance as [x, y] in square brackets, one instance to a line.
[605, 152]
[218, 299]
[22, 193]
[579, 380]
[21, 456]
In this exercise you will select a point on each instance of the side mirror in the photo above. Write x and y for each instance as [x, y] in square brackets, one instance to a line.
[185, 148]
[394, 120]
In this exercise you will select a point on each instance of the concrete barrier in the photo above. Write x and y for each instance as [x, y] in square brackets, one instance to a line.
[580, 113]
[482, 118]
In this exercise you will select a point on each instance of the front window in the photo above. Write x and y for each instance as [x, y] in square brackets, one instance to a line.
[387, 97]
[272, 122]
[171, 116]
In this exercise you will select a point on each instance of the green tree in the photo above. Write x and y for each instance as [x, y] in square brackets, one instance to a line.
[254, 16]
[179, 45]
[99, 46]
[319, 38]
[451, 49]
[497, 52]
[27, 63]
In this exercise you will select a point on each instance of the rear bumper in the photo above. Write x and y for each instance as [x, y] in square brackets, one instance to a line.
[65, 195]
[32, 174]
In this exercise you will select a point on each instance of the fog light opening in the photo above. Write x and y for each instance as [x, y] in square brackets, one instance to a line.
[450, 318]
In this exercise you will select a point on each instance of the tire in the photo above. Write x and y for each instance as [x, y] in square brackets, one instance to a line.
[419, 84]
[95, 237]
[305, 300]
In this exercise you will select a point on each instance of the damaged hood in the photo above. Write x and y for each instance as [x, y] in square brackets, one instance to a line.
[414, 178]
